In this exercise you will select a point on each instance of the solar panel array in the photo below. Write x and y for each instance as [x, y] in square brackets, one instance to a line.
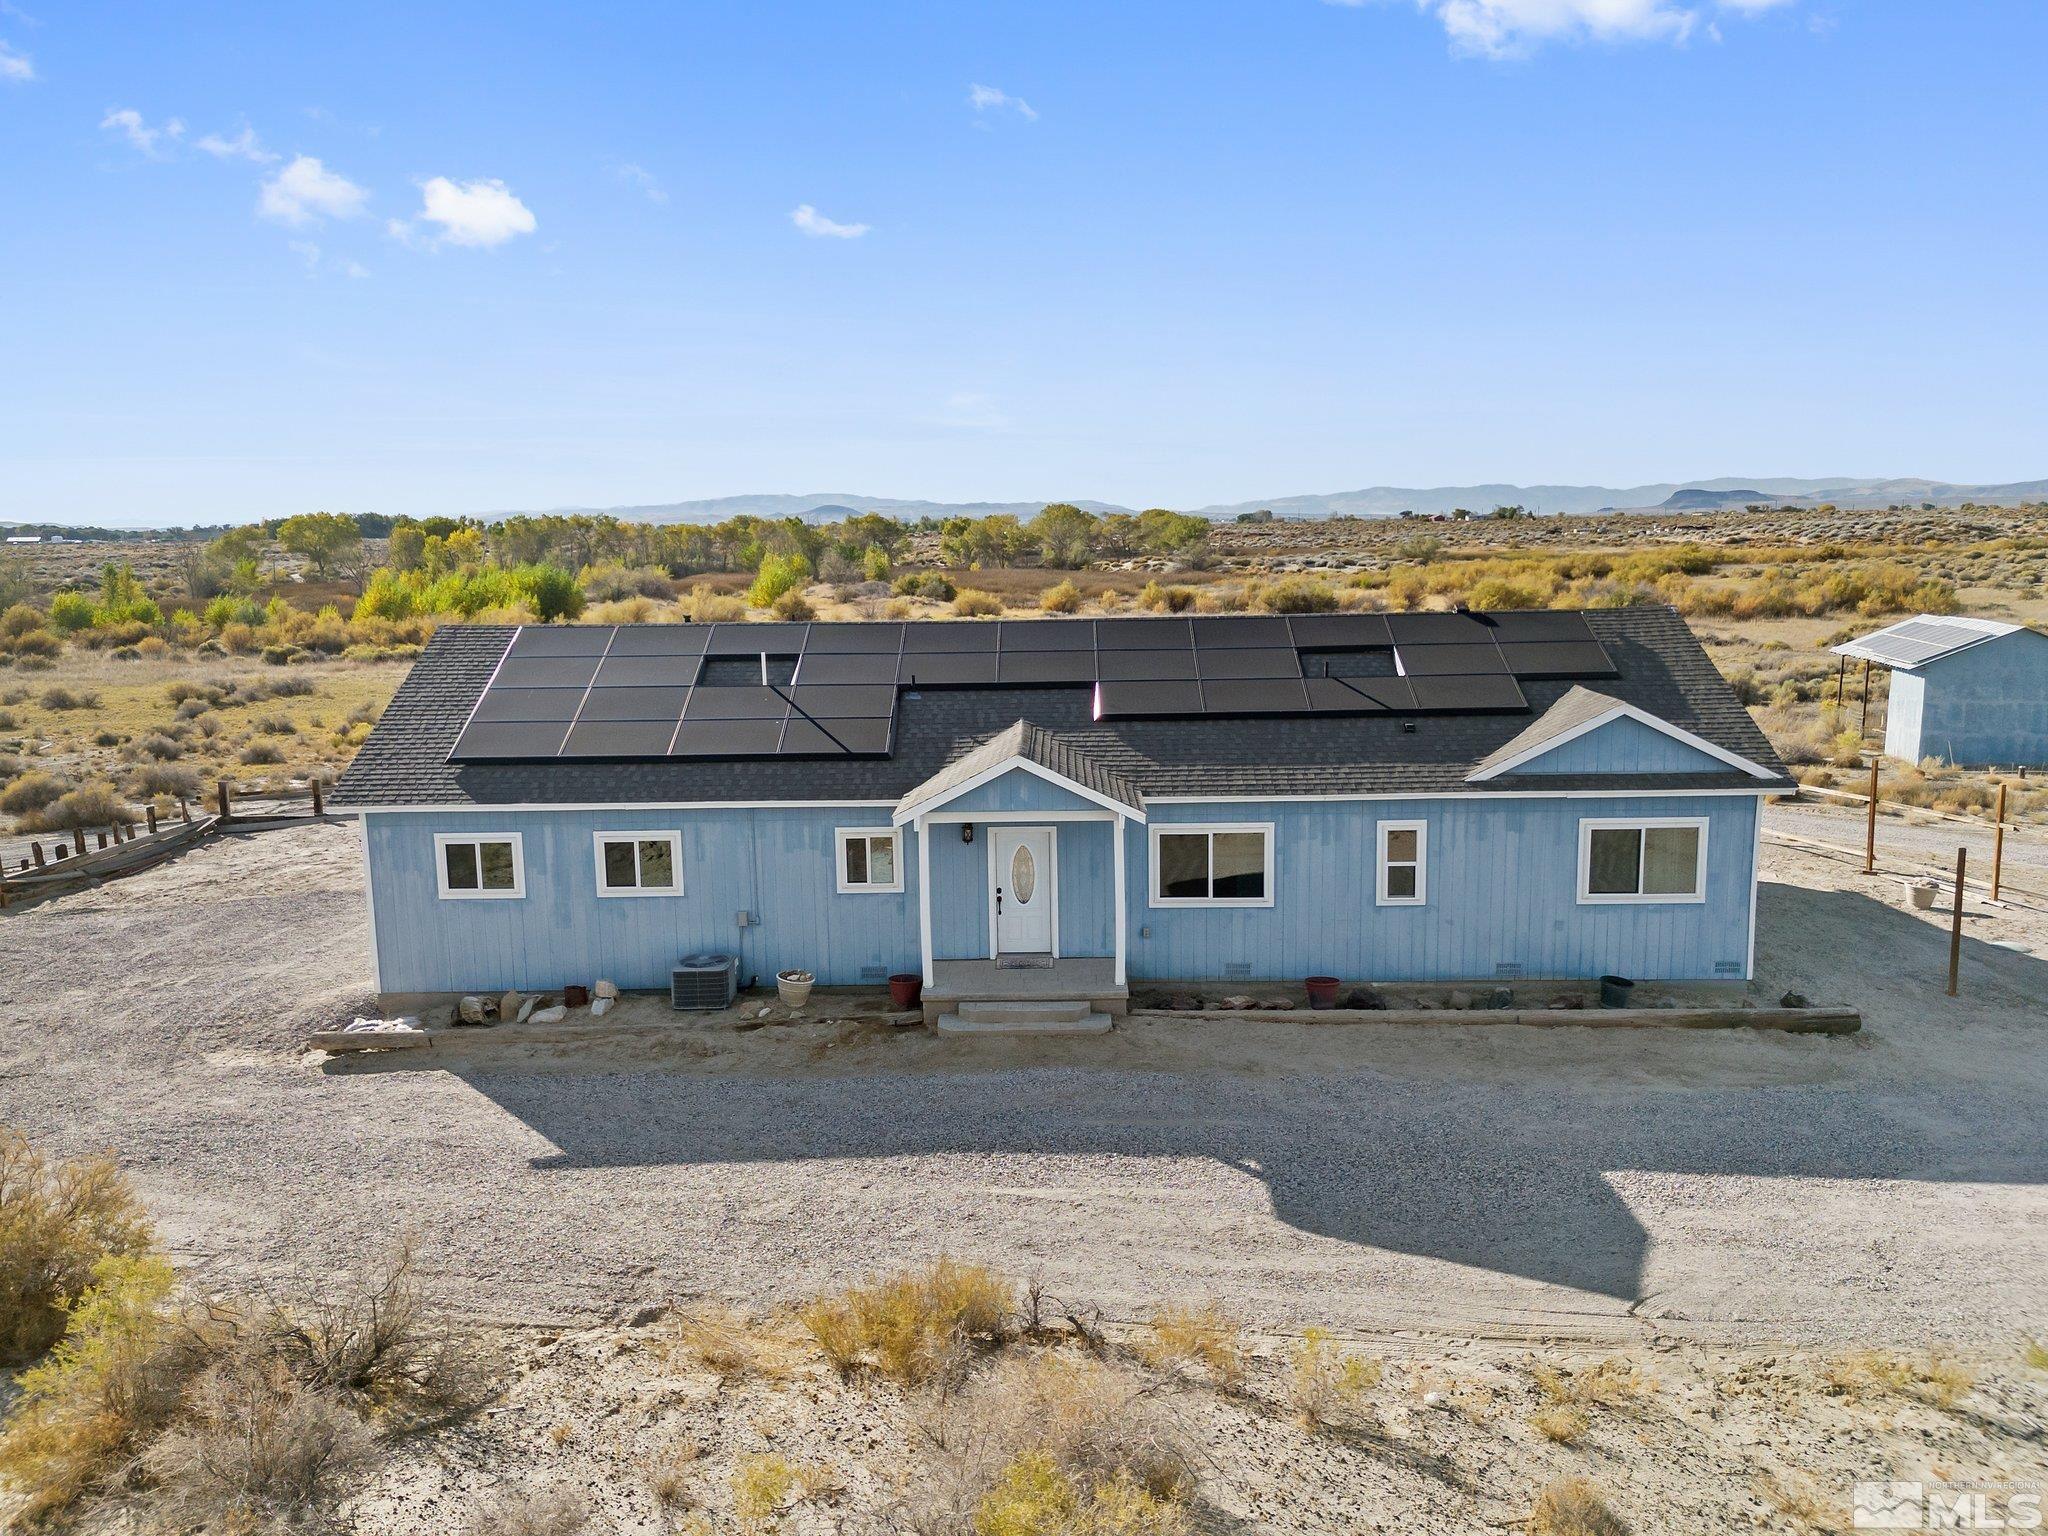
[1916, 641]
[830, 690]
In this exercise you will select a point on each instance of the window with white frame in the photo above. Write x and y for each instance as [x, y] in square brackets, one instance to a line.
[868, 861]
[479, 866]
[1212, 866]
[1404, 854]
[1653, 859]
[639, 863]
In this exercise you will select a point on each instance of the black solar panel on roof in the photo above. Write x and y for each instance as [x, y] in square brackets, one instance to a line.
[948, 638]
[756, 703]
[1438, 628]
[728, 738]
[858, 639]
[1522, 627]
[831, 738]
[1143, 634]
[1451, 660]
[860, 738]
[661, 640]
[1367, 696]
[514, 740]
[844, 701]
[1247, 663]
[1114, 699]
[504, 704]
[1234, 632]
[546, 672]
[1254, 696]
[1157, 666]
[1025, 667]
[1046, 635]
[1339, 631]
[632, 704]
[947, 669]
[619, 738]
[1465, 695]
[561, 640]
[1557, 658]
[646, 672]
[849, 667]
[752, 639]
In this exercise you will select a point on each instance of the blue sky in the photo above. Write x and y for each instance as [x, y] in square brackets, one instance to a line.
[259, 259]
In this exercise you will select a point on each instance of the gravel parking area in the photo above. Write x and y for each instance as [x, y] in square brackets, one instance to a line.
[1475, 1181]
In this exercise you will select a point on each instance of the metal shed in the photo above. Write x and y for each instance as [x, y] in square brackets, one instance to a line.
[1970, 692]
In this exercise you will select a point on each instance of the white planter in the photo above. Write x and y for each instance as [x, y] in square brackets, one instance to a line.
[794, 987]
[1923, 893]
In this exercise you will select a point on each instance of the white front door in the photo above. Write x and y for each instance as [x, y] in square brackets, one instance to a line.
[1020, 867]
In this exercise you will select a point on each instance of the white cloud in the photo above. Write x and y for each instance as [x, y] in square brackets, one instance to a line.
[306, 190]
[638, 176]
[818, 227]
[482, 213]
[129, 123]
[987, 98]
[243, 146]
[1507, 28]
[17, 67]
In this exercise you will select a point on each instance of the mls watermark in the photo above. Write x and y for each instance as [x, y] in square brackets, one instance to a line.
[1928, 1507]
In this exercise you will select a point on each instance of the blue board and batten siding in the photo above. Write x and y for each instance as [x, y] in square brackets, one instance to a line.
[1987, 705]
[1622, 746]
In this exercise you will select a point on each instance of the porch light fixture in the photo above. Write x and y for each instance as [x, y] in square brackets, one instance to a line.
[966, 831]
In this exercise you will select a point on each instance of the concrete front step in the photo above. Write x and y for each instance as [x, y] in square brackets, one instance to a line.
[1017, 1010]
[1024, 1019]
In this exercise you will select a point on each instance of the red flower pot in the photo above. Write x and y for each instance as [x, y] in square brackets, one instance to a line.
[905, 989]
[1322, 991]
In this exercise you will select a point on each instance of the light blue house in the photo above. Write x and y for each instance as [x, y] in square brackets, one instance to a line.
[1061, 808]
[1969, 692]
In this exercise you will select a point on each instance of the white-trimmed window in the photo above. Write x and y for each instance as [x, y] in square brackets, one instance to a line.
[1643, 859]
[479, 866]
[639, 863]
[1404, 863]
[869, 860]
[1224, 865]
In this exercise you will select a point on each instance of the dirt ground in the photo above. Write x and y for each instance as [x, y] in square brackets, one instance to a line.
[1731, 1215]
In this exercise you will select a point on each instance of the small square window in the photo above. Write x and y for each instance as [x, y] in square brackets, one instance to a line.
[1403, 846]
[867, 860]
[479, 867]
[639, 863]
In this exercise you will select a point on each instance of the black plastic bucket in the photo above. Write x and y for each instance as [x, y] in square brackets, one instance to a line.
[1615, 990]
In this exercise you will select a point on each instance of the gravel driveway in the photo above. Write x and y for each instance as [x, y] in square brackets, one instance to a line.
[1486, 1181]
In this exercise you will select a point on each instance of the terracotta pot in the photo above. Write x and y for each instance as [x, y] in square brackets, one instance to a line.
[1322, 991]
[905, 989]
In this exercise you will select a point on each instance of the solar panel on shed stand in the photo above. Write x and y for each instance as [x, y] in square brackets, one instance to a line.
[1558, 658]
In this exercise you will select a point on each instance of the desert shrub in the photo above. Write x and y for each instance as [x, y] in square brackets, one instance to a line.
[281, 655]
[612, 582]
[259, 754]
[90, 805]
[1572, 1508]
[61, 698]
[1158, 599]
[793, 606]
[707, 606]
[71, 612]
[107, 738]
[550, 1511]
[971, 603]
[37, 644]
[205, 722]
[778, 574]
[1297, 594]
[277, 725]
[19, 619]
[760, 1485]
[1607, 1384]
[1061, 597]
[1327, 1383]
[10, 765]
[624, 610]
[930, 585]
[1560, 1423]
[1937, 1379]
[32, 792]
[718, 1340]
[252, 1449]
[152, 646]
[1054, 1445]
[161, 747]
[910, 1327]
[1203, 1335]
[164, 779]
[57, 1221]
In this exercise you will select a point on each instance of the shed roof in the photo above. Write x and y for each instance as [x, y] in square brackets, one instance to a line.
[1661, 669]
[1926, 638]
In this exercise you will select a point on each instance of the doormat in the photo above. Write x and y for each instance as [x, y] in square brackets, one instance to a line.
[1024, 962]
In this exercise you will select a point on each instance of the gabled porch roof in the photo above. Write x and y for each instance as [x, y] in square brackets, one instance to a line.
[1031, 749]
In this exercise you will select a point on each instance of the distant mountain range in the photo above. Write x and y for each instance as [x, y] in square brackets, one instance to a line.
[1390, 500]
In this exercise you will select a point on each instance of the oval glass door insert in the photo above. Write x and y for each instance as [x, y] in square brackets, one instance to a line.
[1023, 874]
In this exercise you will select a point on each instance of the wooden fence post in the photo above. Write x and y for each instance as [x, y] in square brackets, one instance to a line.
[78, 840]
[318, 810]
[1955, 931]
[1863, 721]
[150, 812]
[1870, 826]
[102, 841]
[1998, 843]
[185, 810]
[36, 851]
[220, 798]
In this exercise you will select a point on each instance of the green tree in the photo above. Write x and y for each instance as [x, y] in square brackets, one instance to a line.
[778, 574]
[1065, 535]
[328, 539]
[408, 547]
[1180, 534]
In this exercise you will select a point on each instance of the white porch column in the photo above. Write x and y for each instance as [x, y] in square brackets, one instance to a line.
[1116, 832]
[924, 896]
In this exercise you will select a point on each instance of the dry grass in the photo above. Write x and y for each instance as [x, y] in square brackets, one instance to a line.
[1936, 1379]
[2034, 1354]
[1327, 1383]
[549, 1511]
[671, 1475]
[1051, 1444]
[763, 1484]
[1574, 1508]
[1203, 1336]
[1801, 1507]
[973, 603]
[1560, 1423]
[719, 1340]
[914, 1326]
[1611, 1383]
[57, 1222]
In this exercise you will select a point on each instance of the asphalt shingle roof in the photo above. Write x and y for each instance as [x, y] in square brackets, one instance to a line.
[1662, 668]
[1034, 744]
